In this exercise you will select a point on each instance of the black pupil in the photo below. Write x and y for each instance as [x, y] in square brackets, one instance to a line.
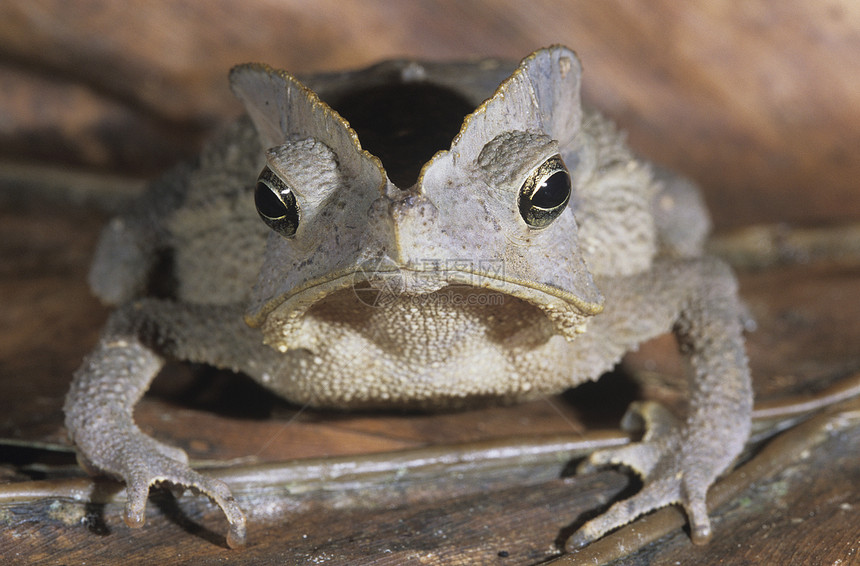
[268, 204]
[553, 191]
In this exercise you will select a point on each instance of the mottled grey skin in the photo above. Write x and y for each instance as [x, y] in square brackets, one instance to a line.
[445, 326]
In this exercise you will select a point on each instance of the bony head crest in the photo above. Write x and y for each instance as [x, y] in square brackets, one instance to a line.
[283, 109]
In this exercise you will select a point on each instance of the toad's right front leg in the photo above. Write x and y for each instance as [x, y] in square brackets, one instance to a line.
[99, 414]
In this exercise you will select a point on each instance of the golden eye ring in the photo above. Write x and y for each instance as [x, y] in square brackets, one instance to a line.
[276, 203]
[545, 193]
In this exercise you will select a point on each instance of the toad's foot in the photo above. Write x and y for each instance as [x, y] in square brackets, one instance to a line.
[99, 418]
[142, 462]
[671, 469]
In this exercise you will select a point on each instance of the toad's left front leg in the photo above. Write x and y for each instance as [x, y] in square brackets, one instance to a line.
[679, 461]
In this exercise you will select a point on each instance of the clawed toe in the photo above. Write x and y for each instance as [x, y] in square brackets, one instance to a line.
[158, 469]
[640, 457]
[669, 475]
[667, 485]
[236, 535]
[578, 540]
[135, 506]
[697, 513]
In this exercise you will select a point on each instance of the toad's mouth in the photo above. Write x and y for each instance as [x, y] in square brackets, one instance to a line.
[384, 286]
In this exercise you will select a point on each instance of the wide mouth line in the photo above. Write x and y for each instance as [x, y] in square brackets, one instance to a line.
[468, 278]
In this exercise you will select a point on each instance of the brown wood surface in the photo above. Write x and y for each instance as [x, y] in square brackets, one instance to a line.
[759, 104]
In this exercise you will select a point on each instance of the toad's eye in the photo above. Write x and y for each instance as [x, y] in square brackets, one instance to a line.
[545, 193]
[276, 204]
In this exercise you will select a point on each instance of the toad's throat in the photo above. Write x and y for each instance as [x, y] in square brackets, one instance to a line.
[424, 295]
[428, 326]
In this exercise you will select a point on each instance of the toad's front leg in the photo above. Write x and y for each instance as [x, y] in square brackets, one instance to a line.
[679, 461]
[100, 404]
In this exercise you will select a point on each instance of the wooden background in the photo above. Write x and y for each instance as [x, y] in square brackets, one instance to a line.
[757, 101]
